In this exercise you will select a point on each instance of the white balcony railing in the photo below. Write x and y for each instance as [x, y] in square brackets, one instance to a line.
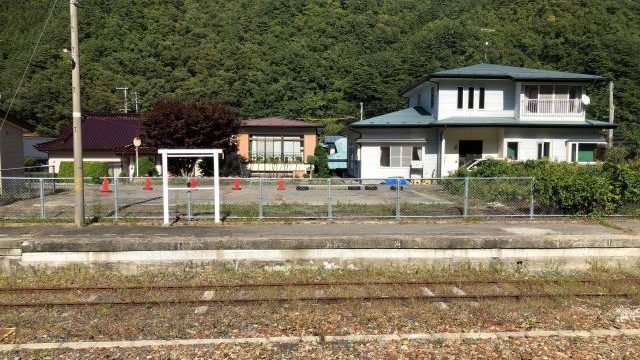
[543, 109]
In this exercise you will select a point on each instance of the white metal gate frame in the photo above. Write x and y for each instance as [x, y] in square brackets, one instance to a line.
[199, 153]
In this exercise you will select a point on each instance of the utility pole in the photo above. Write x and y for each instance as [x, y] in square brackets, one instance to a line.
[126, 105]
[78, 181]
[361, 111]
[612, 110]
[136, 101]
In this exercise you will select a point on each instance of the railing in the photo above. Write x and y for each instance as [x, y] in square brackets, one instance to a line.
[294, 157]
[284, 198]
[535, 109]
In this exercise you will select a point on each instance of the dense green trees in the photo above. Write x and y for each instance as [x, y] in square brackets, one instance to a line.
[309, 58]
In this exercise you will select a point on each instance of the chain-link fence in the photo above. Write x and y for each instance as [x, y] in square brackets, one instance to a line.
[283, 198]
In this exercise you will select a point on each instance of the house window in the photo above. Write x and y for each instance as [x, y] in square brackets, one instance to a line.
[397, 156]
[385, 156]
[481, 99]
[418, 99]
[276, 148]
[470, 100]
[416, 154]
[433, 96]
[587, 152]
[460, 96]
[512, 150]
[544, 150]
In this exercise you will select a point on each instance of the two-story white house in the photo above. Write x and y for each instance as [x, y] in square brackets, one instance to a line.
[480, 111]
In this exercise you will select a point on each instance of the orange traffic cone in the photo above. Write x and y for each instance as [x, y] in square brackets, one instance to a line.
[105, 185]
[147, 183]
[281, 184]
[192, 183]
[236, 184]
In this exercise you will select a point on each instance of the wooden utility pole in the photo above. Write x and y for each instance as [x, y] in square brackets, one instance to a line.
[78, 181]
[612, 110]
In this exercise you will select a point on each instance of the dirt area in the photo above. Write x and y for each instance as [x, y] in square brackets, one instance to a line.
[183, 321]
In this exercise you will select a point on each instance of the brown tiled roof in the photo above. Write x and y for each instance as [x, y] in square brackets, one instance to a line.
[278, 122]
[100, 132]
[19, 123]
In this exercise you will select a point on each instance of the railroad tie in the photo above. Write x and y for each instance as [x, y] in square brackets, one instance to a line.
[207, 295]
[439, 304]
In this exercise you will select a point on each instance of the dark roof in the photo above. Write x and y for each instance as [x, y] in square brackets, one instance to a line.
[278, 122]
[330, 139]
[418, 117]
[410, 117]
[100, 132]
[17, 122]
[492, 71]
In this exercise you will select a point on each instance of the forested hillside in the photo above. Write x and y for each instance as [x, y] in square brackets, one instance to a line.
[314, 59]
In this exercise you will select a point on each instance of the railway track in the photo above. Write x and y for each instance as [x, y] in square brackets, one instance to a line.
[330, 292]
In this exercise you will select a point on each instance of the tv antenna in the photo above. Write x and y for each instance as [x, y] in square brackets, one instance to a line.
[126, 106]
[486, 43]
[136, 101]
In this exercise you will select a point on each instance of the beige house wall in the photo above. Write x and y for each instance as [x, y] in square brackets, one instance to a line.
[56, 157]
[243, 145]
[11, 149]
[310, 142]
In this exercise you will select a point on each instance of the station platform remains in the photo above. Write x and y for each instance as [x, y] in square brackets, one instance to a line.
[550, 244]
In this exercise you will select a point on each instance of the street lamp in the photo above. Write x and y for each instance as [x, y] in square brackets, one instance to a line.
[137, 142]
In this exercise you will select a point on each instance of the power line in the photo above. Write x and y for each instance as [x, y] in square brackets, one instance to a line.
[35, 48]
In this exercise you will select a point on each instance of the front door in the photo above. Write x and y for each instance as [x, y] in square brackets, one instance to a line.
[469, 150]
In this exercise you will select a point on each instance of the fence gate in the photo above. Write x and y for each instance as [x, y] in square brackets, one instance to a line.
[197, 153]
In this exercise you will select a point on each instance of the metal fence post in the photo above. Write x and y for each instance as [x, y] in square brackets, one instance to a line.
[189, 213]
[397, 198]
[260, 200]
[531, 198]
[115, 197]
[465, 209]
[329, 205]
[42, 199]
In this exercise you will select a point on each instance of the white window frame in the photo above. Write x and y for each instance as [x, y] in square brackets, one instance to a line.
[542, 142]
[570, 145]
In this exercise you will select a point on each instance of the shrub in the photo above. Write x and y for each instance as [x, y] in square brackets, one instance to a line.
[569, 188]
[320, 160]
[94, 169]
[146, 167]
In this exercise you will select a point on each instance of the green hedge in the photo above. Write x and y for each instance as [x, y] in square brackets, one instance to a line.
[94, 169]
[567, 188]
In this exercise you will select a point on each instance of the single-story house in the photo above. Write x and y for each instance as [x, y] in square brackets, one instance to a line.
[276, 146]
[29, 143]
[336, 146]
[476, 112]
[11, 149]
[105, 138]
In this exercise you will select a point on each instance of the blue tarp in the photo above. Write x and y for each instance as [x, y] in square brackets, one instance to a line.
[395, 181]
